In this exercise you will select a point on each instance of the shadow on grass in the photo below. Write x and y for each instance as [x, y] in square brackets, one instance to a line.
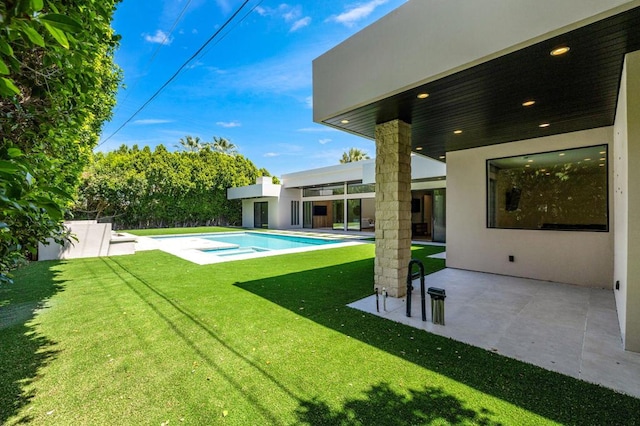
[381, 405]
[23, 351]
[322, 294]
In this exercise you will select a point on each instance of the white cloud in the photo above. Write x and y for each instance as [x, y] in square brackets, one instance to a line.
[159, 37]
[309, 102]
[290, 14]
[324, 141]
[271, 154]
[149, 121]
[300, 23]
[228, 124]
[357, 13]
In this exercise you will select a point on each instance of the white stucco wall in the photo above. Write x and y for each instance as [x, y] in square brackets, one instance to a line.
[583, 258]
[424, 40]
[627, 203]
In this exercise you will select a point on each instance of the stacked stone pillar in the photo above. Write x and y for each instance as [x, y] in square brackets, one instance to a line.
[393, 206]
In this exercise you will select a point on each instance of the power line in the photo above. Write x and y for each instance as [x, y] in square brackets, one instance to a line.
[173, 77]
[156, 51]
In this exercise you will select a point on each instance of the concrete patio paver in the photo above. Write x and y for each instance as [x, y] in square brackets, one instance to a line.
[564, 328]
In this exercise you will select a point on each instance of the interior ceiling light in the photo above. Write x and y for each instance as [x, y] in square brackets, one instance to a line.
[423, 95]
[603, 159]
[559, 51]
[457, 132]
[344, 121]
[562, 154]
[529, 161]
[442, 157]
[419, 148]
[528, 103]
[543, 125]
[603, 152]
[587, 159]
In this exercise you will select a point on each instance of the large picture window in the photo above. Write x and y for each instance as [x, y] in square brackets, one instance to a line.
[559, 190]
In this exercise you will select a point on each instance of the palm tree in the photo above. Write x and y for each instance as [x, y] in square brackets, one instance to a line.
[353, 155]
[224, 146]
[190, 144]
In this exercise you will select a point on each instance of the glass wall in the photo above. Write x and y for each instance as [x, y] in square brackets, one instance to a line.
[324, 190]
[354, 212]
[360, 188]
[261, 214]
[338, 214]
[307, 214]
[559, 190]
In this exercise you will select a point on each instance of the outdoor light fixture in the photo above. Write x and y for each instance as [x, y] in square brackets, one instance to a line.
[528, 103]
[419, 148]
[344, 121]
[457, 132]
[559, 51]
[442, 157]
[543, 125]
[423, 95]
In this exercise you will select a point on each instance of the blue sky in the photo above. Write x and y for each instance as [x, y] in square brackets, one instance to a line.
[253, 86]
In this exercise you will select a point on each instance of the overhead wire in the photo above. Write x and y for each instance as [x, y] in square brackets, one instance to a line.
[166, 37]
[173, 77]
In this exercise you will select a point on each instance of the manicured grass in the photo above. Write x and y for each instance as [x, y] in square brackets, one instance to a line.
[153, 339]
[172, 231]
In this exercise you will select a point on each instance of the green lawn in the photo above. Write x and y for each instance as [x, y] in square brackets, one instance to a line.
[153, 339]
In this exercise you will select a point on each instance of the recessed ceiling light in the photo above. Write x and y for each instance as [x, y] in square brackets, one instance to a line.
[442, 157]
[603, 152]
[344, 121]
[603, 159]
[587, 159]
[543, 125]
[457, 132]
[423, 95]
[559, 51]
[529, 161]
[419, 148]
[528, 103]
[601, 165]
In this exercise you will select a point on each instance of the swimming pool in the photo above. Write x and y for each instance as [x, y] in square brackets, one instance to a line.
[219, 247]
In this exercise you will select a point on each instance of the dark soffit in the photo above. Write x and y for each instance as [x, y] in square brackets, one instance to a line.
[576, 91]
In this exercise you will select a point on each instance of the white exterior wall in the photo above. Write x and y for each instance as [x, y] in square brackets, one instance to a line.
[627, 203]
[582, 258]
[377, 62]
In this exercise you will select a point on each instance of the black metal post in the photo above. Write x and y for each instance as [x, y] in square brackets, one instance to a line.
[410, 277]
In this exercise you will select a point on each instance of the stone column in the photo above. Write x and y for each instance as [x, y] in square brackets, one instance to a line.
[393, 206]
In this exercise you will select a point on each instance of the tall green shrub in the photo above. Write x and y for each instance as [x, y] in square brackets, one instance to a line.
[57, 86]
[149, 189]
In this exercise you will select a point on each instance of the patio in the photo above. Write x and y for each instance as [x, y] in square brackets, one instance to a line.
[564, 328]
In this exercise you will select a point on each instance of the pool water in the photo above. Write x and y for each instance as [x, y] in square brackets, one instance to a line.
[257, 242]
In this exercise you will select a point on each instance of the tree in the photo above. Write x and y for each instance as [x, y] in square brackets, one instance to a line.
[353, 155]
[191, 144]
[143, 189]
[224, 146]
[57, 86]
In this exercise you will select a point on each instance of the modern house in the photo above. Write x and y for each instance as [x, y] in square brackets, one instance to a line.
[342, 197]
[535, 108]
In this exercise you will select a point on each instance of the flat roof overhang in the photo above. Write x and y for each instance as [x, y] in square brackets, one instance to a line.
[572, 92]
